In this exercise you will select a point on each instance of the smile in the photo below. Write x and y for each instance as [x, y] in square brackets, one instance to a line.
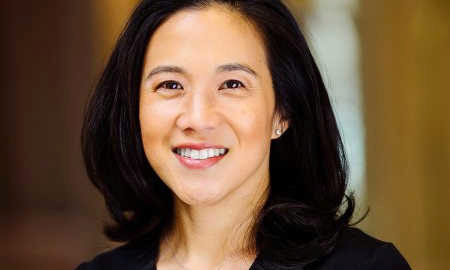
[199, 159]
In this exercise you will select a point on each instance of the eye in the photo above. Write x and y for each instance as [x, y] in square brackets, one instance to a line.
[232, 84]
[171, 85]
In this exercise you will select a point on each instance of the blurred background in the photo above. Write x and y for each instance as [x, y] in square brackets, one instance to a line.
[385, 62]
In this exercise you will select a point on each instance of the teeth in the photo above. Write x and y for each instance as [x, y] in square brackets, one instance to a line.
[203, 154]
[200, 154]
[195, 154]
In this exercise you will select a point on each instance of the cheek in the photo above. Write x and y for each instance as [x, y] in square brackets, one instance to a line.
[155, 117]
[254, 124]
[155, 121]
[155, 127]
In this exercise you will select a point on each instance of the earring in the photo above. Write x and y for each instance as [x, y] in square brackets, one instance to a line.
[278, 132]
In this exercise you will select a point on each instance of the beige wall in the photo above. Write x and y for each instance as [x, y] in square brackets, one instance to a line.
[109, 18]
[405, 59]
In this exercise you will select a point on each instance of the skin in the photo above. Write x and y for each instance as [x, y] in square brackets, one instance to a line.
[214, 206]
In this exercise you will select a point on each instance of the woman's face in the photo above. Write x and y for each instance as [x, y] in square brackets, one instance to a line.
[206, 85]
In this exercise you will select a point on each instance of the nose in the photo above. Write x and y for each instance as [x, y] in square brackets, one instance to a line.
[199, 114]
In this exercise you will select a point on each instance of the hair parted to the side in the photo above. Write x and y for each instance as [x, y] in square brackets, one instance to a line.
[307, 205]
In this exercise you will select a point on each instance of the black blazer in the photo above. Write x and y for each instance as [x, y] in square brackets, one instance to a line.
[354, 250]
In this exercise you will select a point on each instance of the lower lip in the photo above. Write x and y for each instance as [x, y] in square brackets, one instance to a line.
[198, 163]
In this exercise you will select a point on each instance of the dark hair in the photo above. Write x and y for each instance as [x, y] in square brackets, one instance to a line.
[307, 205]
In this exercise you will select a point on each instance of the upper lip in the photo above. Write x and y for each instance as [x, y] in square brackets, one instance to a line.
[199, 146]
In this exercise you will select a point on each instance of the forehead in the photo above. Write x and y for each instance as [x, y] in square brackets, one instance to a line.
[208, 36]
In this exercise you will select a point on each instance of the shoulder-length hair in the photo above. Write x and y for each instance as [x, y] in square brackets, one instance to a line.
[307, 205]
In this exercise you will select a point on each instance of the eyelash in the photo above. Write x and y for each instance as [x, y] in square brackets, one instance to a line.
[233, 81]
[165, 84]
[174, 82]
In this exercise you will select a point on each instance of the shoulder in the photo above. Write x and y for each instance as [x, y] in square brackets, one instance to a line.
[358, 250]
[127, 256]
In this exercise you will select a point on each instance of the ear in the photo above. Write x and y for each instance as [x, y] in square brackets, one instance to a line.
[279, 126]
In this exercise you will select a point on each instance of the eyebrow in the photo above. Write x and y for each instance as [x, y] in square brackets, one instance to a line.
[238, 67]
[221, 68]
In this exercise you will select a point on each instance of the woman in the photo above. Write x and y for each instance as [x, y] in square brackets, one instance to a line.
[212, 139]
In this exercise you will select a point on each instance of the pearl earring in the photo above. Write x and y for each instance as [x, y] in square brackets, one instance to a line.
[278, 131]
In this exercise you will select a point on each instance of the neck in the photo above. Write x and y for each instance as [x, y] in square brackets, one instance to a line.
[206, 236]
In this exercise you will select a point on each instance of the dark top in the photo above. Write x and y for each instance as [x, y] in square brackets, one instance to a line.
[354, 250]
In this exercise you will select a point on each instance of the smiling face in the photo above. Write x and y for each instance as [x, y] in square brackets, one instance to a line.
[206, 84]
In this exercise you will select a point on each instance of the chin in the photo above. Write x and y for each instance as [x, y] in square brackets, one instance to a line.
[200, 196]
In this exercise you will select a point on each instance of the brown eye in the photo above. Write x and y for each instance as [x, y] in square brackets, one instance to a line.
[173, 85]
[232, 84]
